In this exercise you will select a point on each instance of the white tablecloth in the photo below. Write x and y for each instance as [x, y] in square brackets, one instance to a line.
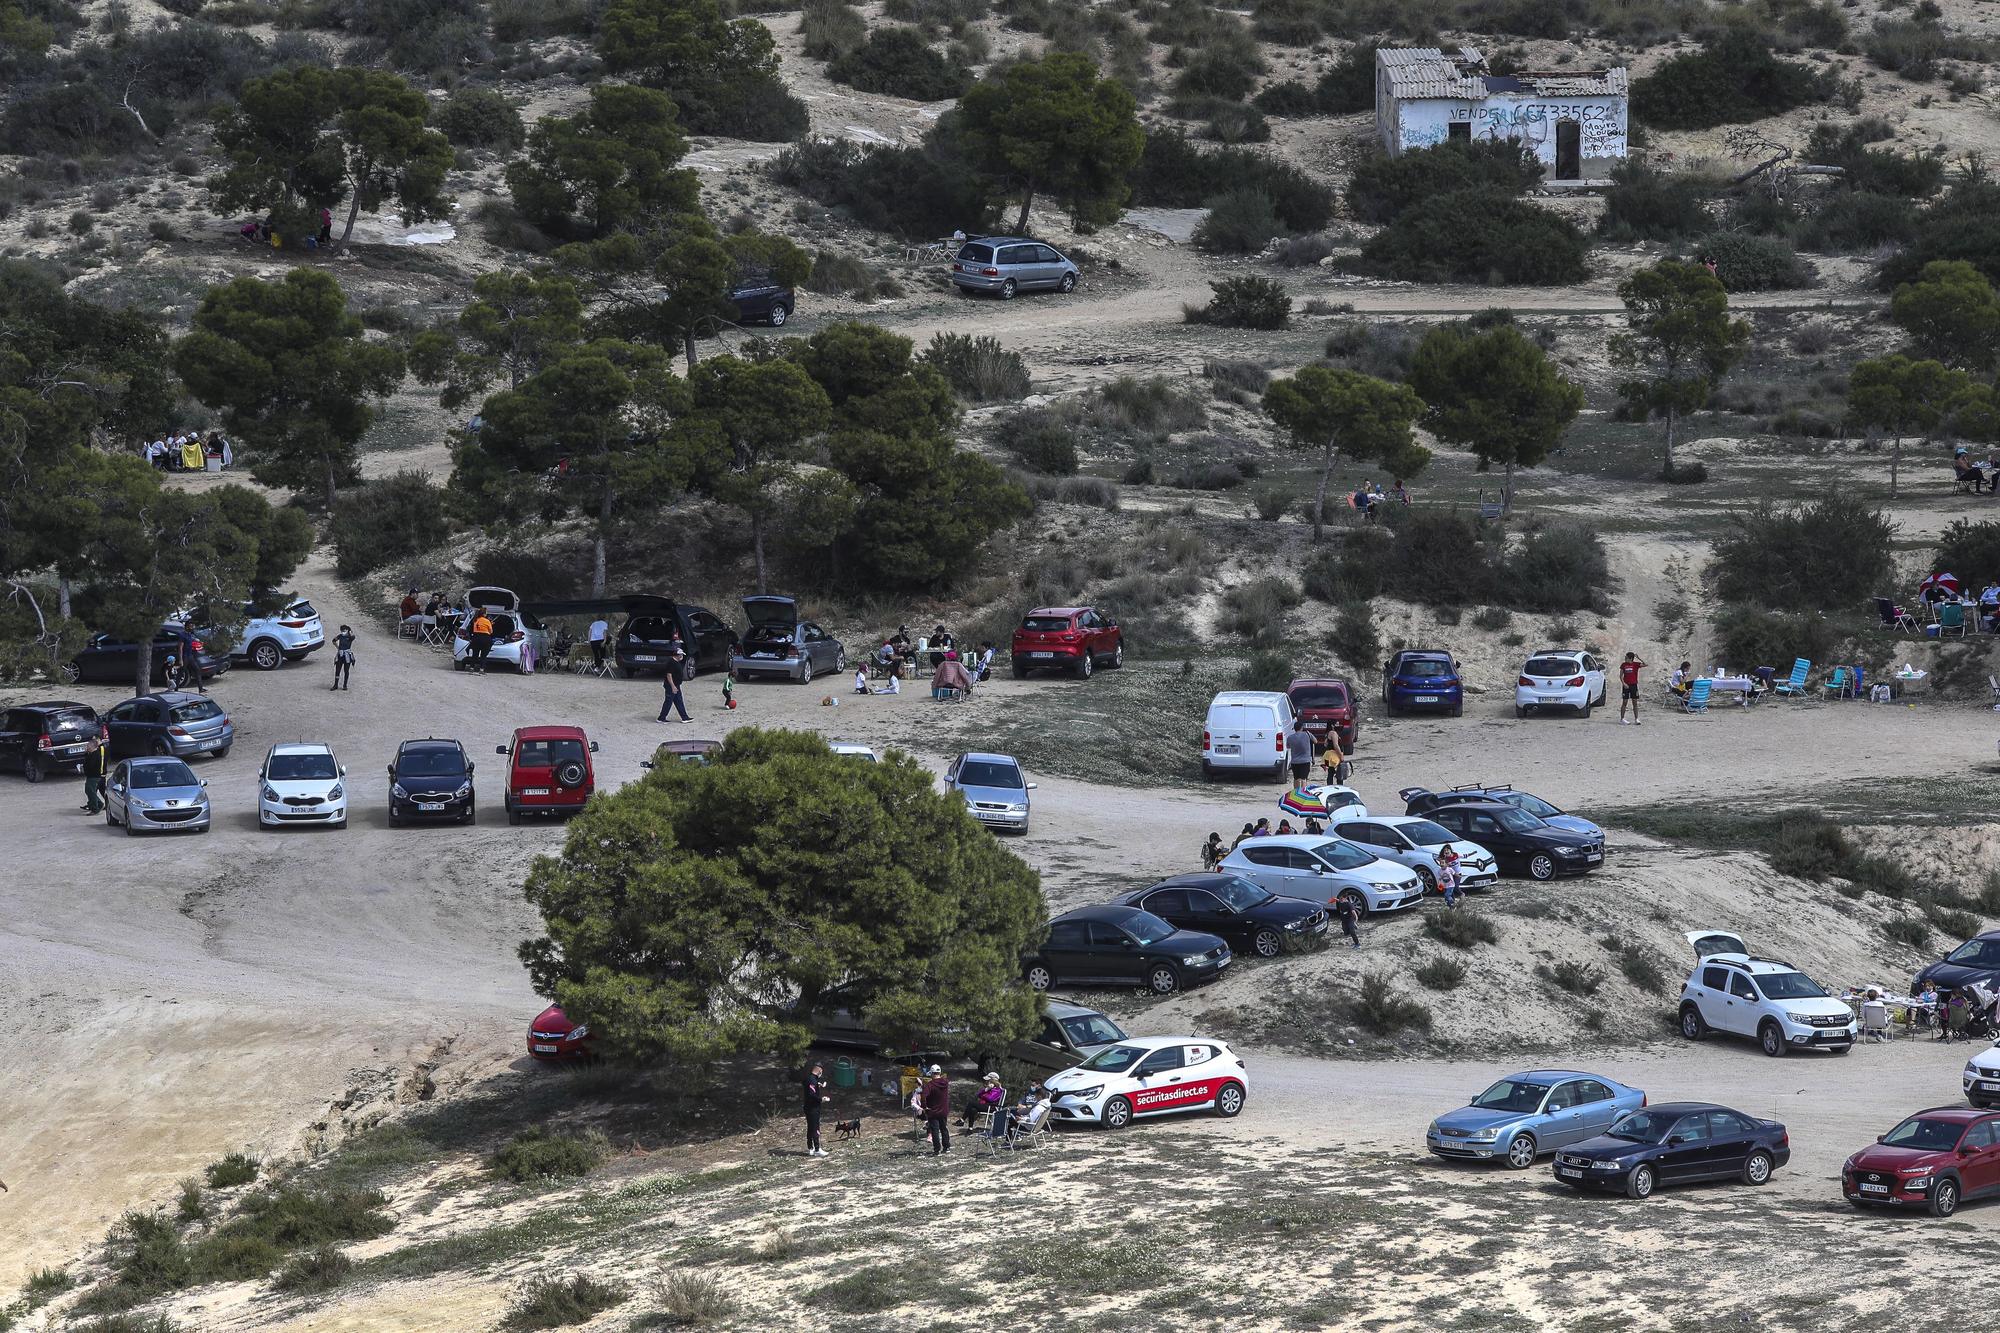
[1729, 684]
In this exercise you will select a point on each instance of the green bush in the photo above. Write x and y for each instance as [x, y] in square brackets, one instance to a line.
[1732, 80]
[538, 1154]
[1382, 187]
[1874, 170]
[1155, 405]
[1042, 441]
[1256, 610]
[1573, 977]
[1492, 618]
[1646, 204]
[1639, 966]
[480, 118]
[1828, 553]
[831, 28]
[1746, 635]
[1853, 222]
[978, 369]
[1811, 848]
[1227, 69]
[1378, 1009]
[552, 1302]
[1233, 122]
[393, 518]
[906, 191]
[526, 20]
[1287, 100]
[192, 1207]
[1243, 303]
[1747, 263]
[695, 1300]
[1913, 47]
[898, 61]
[1968, 546]
[1441, 973]
[1175, 173]
[1287, 22]
[1559, 567]
[1241, 222]
[45, 1284]
[1350, 84]
[1956, 924]
[1460, 927]
[1479, 236]
[228, 1172]
[1236, 381]
[1274, 502]
[1353, 638]
[1266, 670]
[316, 1270]
[1907, 930]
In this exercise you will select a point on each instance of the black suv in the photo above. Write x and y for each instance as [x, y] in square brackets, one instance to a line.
[1422, 800]
[759, 300]
[1251, 919]
[1976, 960]
[40, 739]
[644, 643]
[1123, 946]
[431, 779]
[1523, 844]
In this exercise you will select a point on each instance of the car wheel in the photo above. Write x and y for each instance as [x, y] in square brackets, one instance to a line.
[1944, 1198]
[1020, 672]
[1521, 1152]
[779, 314]
[458, 664]
[1068, 284]
[1771, 1038]
[130, 832]
[1229, 1101]
[1086, 664]
[1117, 1111]
[1840, 1050]
[31, 769]
[1861, 1205]
[513, 816]
[1267, 944]
[1757, 1171]
[1458, 708]
[1353, 898]
[629, 672]
[1519, 712]
[1118, 656]
[1430, 881]
[395, 820]
[1163, 980]
[161, 749]
[840, 661]
[70, 673]
[266, 655]
[1585, 710]
[1692, 1026]
[1007, 290]
[1639, 1185]
[1541, 866]
[1040, 978]
[471, 815]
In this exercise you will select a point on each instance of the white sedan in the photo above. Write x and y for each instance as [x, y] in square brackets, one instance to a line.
[1560, 678]
[1415, 842]
[1147, 1076]
[301, 783]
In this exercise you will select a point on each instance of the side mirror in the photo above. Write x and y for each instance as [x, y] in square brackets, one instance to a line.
[1126, 940]
[1881, 1138]
[499, 749]
[1676, 1139]
[469, 766]
[391, 768]
[1033, 785]
[204, 782]
[343, 770]
[1965, 1150]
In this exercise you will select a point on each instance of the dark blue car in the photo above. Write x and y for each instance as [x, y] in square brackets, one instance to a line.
[1422, 678]
[1675, 1143]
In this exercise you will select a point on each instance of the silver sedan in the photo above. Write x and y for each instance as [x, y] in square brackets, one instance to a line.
[156, 795]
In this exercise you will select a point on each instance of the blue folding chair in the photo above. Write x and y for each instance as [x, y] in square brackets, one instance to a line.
[1796, 686]
[1697, 696]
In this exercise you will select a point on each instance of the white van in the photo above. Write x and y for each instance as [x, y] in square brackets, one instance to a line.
[1245, 730]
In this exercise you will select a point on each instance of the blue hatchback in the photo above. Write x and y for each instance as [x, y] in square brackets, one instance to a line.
[1422, 678]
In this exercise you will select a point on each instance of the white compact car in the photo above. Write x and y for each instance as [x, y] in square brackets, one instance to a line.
[518, 637]
[1560, 678]
[268, 641]
[1768, 1000]
[1321, 868]
[1412, 841]
[1982, 1078]
[855, 749]
[1147, 1076]
[301, 784]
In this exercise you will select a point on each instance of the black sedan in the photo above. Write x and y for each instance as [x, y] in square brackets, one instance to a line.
[1123, 946]
[1253, 920]
[1674, 1143]
[1523, 844]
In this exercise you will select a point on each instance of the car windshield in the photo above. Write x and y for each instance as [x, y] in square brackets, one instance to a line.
[976, 254]
[1092, 1030]
[1426, 834]
[1512, 1095]
[547, 754]
[1928, 1135]
[1425, 666]
[301, 767]
[1645, 1126]
[1534, 805]
[1147, 928]
[1976, 953]
[1789, 986]
[1516, 821]
[1319, 696]
[988, 773]
[176, 774]
[1550, 666]
[431, 763]
[201, 710]
[1342, 855]
[1045, 624]
[1114, 1059]
[1238, 894]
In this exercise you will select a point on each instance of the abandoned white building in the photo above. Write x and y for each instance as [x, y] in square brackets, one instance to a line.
[1574, 122]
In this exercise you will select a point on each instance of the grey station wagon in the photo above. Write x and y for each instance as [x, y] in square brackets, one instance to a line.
[1007, 264]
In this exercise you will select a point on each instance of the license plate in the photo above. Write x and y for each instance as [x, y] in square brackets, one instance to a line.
[1552, 698]
[1228, 749]
[430, 805]
[1874, 1189]
[1425, 699]
[534, 791]
[644, 657]
[1573, 1172]
[1225, 962]
[68, 749]
[1041, 654]
[541, 1049]
[1988, 1084]
[1595, 856]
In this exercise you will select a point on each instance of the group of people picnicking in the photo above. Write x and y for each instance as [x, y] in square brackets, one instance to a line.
[1943, 589]
[900, 656]
[1369, 497]
[989, 1113]
[261, 231]
[189, 451]
[1968, 1013]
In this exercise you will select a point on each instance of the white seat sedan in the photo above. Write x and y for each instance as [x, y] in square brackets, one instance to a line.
[1147, 1076]
[1560, 678]
[1415, 842]
[1321, 868]
[301, 783]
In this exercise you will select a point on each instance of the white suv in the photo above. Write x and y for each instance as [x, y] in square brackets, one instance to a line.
[269, 640]
[1560, 678]
[301, 783]
[1763, 998]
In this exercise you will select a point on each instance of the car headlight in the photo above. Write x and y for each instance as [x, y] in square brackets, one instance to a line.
[463, 791]
[1083, 1094]
[1484, 1135]
[1569, 851]
[396, 790]
[270, 794]
[338, 792]
[1803, 1020]
[578, 1033]
[1295, 925]
[1605, 1166]
[138, 804]
[1191, 960]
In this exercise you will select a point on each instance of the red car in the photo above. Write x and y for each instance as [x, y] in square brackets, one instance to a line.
[1933, 1160]
[549, 773]
[553, 1037]
[1067, 638]
[1328, 702]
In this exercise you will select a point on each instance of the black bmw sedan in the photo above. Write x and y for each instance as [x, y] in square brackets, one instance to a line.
[1253, 920]
[1675, 1143]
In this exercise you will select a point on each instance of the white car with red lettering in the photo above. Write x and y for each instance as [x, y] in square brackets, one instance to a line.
[1146, 1076]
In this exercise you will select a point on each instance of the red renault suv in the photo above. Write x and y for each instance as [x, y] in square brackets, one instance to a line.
[1067, 638]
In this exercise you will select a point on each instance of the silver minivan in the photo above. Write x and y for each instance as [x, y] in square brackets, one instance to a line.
[1245, 731]
[1004, 265]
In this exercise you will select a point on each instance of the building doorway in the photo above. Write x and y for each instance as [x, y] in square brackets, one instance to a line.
[1569, 150]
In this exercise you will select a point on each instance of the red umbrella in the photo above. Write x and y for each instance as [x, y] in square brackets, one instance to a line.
[1946, 582]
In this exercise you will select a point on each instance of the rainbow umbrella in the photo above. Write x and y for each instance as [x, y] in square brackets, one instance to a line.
[1304, 803]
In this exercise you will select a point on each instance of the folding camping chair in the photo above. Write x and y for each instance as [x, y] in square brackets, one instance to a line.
[1951, 620]
[1796, 686]
[1697, 696]
[1842, 684]
[1895, 617]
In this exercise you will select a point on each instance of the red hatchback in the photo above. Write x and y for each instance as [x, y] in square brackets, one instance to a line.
[1067, 638]
[553, 1037]
[1933, 1160]
[1323, 703]
[549, 773]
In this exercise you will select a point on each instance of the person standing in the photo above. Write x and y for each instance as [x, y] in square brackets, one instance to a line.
[343, 657]
[674, 699]
[936, 1095]
[600, 630]
[480, 642]
[191, 660]
[1448, 875]
[93, 776]
[1350, 918]
[815, 1098]
[1628, 676]
[1299, 751]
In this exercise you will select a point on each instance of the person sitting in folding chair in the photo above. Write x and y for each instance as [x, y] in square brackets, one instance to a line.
[559, 651]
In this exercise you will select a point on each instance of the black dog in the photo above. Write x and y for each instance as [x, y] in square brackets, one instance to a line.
[848, 1129]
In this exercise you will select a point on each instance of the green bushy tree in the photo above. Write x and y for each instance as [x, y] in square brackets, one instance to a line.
[610, 166]
[722, 73]
[1679, 338]
[1495, 392]
[1052, 126]
[1327, 411]
[1951, 314]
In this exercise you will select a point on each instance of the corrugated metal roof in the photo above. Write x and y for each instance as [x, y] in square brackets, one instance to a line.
[1426, 71]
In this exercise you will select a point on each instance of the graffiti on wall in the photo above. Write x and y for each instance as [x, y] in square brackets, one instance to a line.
[1600, 124]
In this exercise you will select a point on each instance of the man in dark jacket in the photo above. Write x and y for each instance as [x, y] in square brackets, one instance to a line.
[937, 1109]
[93, 776]
[1350, 917]
[815, 1098]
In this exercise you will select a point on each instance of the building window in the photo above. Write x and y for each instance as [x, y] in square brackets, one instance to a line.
[1459, 131]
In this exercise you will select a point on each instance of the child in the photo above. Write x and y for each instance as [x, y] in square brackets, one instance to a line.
[1448, 875]
[894, 685]
[1212, 851]
[861, 680]
[1285, 828]
[729, 689]
[983, 664]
